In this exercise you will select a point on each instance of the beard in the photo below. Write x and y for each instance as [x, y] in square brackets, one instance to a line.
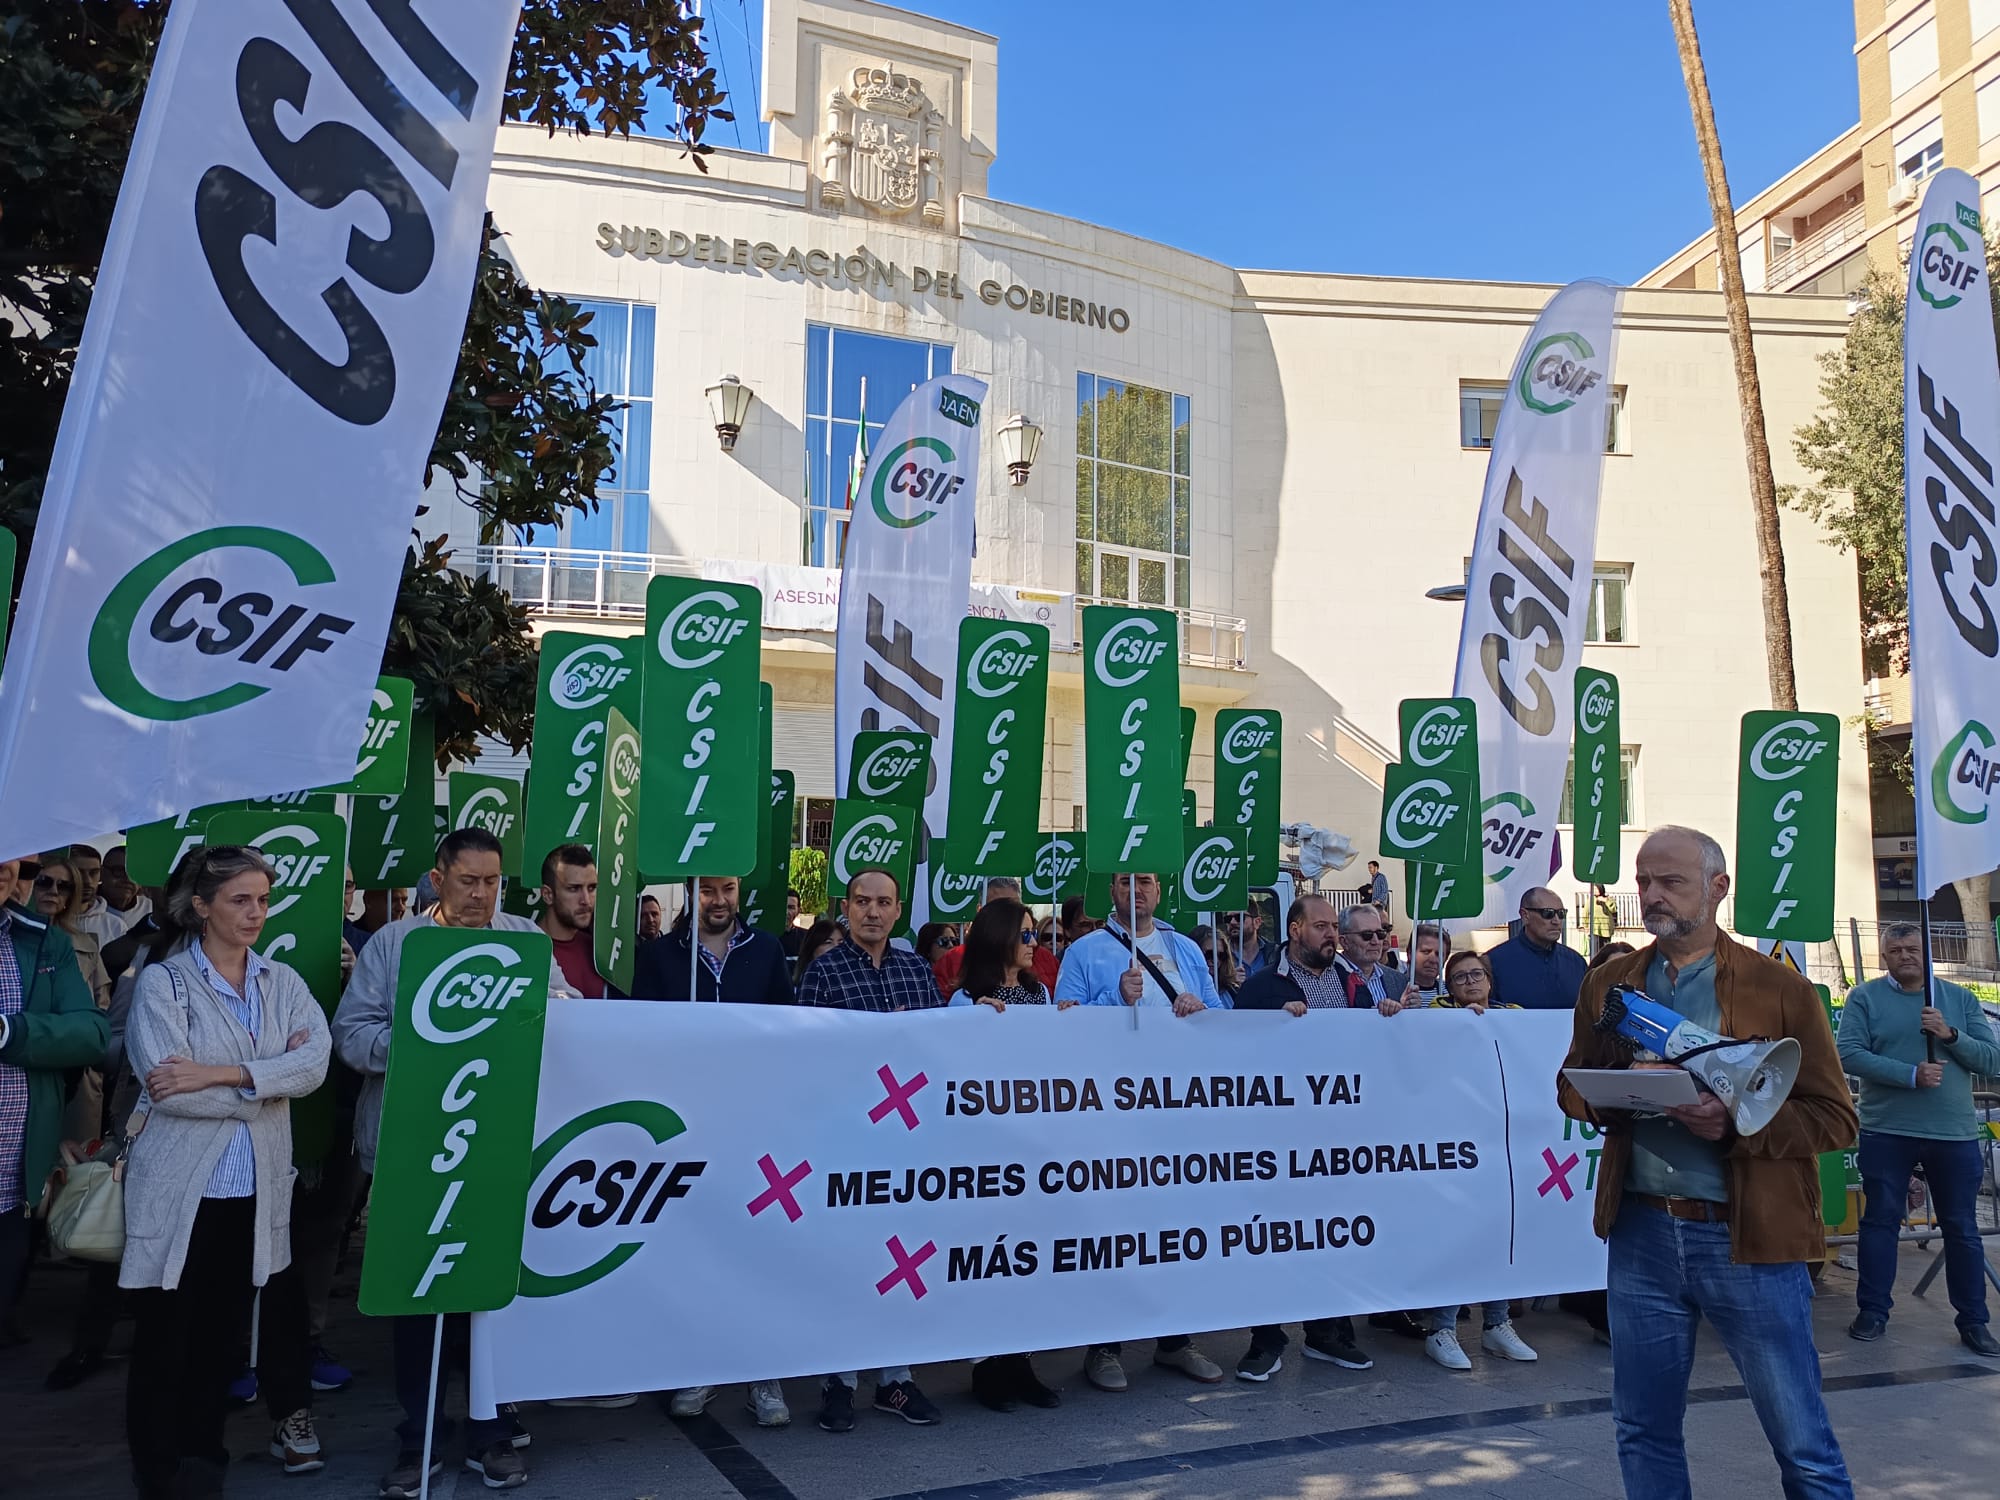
[1664, 924]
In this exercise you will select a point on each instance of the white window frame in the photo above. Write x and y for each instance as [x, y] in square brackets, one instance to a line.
[1628, 755]
[1918, 153]
[1617, 436]
[1986, 106]
[1913, 55]
[1985, 15]
[1622, 573]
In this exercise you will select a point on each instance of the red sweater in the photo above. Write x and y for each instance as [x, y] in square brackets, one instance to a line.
[947, 969]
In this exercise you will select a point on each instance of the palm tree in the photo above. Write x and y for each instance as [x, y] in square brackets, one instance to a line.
[1757, 448]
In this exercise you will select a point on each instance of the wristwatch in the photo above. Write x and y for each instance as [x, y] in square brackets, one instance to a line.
[1952, 1040]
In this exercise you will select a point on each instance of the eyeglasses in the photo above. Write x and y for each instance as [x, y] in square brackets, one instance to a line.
[1029, 935]
[1546, 913]
[1468, 975]
[50, 883]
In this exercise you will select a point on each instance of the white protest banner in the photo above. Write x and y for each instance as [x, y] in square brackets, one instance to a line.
[1528, 594]
[1951, 438]
[282, 298]
[802, 598]
[900, 1189]
[907, 577]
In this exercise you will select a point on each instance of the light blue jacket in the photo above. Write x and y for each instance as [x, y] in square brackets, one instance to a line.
[1093, 965]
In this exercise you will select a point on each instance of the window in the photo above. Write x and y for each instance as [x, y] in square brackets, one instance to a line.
[1610, 619]
[1988, 99]
[848, 373]
[621, 365]
[1134, 506]
[1920, 152]
[1479, 413]
[1912, 58]
[1628, 806]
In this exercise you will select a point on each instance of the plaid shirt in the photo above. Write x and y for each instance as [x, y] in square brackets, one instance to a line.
[714, 965]
[848, 979]
[13, 1080]
[1326, 990]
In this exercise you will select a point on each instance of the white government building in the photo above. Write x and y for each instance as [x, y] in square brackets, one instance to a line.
[1289, 459]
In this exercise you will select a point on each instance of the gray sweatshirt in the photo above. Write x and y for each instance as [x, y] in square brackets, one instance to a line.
[366, 1018]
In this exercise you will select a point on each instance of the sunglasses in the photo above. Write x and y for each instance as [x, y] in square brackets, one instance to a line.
[50, 883]
[1368, 937]
[1029, 935]
[1546, 913]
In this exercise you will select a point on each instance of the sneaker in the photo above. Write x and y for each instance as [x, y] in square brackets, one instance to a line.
[1103, 1370]
[405, 1480]
[1259, 1364]
[295, 1445]
[1508, 1344]
[598, 1403]
[1338, 1348]
[1191, 1362]
[1442, 1347]
[243, 1389]
[901, 1398]
[1868, 1327]
[328, 1373]
[510, 1416]
[766, 1403]
[691, 1402]
[500, 1467]
[836, 1406]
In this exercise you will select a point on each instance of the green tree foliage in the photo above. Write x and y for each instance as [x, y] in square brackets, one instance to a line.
[809, 879]
[521, 418]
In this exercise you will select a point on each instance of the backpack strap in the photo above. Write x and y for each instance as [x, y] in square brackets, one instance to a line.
[1145, 962]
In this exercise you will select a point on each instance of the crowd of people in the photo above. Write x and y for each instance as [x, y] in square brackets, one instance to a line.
[148, 1020]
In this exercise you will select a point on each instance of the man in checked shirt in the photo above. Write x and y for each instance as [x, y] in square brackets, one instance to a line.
[866, 973]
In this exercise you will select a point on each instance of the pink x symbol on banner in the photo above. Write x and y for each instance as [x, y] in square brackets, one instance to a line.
[780, 1189]
[906, 1267]
[1558, 1177]
[898, 1097]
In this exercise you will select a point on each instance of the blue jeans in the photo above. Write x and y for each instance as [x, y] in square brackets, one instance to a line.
[1665, 1275]
[1438, 1319]
[1953, 1170]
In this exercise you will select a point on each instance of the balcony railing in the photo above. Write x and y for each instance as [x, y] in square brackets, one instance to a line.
[1843, 233]
[583, 584]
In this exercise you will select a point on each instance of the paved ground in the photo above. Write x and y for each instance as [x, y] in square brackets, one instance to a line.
[1915, 1413]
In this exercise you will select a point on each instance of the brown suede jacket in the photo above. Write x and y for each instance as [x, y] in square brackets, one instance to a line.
[1774, 1212]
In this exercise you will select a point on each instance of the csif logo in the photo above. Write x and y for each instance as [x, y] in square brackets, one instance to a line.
[621, 767]
[587, 676]
[888, 766]
[488, 808]
[1436, 735]
[707, 619]
[1248, 738]
[1208, 871]
[254, 622]
[873, 841]
[1421, 811]
[613, 1188]
[294, 871]
[1554, 373]
[1967, 760]
[1593, 711]
[378, 731]
[954, 895]
[1948, 271]
[999, 666]
[905, 479]
[1058, 860]
[1786, 749]
[473, 979]
[1130, 644]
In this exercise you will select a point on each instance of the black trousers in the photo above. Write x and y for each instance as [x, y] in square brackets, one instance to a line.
[186, 1345]
[16, 1235]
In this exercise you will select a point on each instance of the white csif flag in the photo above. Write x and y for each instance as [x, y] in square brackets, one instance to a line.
[1951, 440]
[1528, 594]
[905, 580]
[279, 311]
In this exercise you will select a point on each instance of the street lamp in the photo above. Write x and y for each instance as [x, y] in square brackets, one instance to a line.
[1020, 444]
[1447, 593]
[729, 403]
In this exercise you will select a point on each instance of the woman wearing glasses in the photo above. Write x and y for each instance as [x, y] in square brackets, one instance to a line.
[222, 1040]
[58, 896]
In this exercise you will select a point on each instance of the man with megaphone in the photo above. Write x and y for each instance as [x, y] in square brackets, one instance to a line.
[1711, 1209]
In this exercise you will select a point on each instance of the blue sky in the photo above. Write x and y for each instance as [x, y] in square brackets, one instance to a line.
[1459, 138]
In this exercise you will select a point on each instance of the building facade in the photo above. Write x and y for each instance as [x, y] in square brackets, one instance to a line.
[1288, 460]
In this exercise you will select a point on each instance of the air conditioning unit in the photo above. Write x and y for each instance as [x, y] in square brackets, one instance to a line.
[1904, 191]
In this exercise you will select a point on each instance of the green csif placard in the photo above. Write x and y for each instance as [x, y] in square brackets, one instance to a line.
[871, 835]
[581, 679]
[450, 1201]
[1057, 873]
[489, 802]
[1787, 790]
[698, 726]
[1214, 876]
[1427, 814]
[1438, 893]
[1597, 802]
[1442, 734]
[309, 852]
[383, 760]
[761, 898]
[1187, 741]
[617, 850]
[1249, 773]
[890, 765]
[996, 747]
[394, 842]
[1132, 736]
[152, 850]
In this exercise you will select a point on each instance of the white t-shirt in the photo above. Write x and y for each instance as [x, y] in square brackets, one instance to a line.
[1154, 945]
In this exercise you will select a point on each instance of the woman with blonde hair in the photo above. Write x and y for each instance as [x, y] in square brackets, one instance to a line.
[222, 1039]
[58, 896]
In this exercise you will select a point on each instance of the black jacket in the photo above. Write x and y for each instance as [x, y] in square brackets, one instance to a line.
[1267, 989]
[754, 973]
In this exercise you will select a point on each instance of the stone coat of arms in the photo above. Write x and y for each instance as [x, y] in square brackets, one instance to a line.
[883, 145]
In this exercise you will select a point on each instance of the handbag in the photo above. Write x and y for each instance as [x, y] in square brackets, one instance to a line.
[87, 1219]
